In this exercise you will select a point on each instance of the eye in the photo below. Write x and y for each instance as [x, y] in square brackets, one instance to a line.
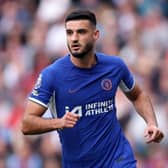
[82, 31]
[69, 32]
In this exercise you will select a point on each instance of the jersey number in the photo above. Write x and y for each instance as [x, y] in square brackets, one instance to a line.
[76, 110]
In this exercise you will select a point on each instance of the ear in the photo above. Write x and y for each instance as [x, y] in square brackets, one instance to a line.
[96, 34]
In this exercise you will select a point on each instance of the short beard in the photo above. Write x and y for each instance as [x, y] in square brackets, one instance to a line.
[88, 48]
[79, 55]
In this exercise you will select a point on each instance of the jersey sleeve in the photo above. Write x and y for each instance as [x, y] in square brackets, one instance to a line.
[127, 82]
[43, 90]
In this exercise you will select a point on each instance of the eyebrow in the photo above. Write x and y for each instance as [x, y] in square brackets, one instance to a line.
[80, 29]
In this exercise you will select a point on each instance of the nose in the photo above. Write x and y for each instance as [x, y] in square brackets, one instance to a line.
[75, 37]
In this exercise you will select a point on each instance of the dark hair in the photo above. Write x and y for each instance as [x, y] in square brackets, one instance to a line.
[81, 15]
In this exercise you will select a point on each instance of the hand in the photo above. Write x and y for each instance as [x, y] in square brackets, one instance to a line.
[69, 120]
[153, 134]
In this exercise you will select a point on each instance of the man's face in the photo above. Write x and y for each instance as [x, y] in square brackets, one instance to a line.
[81, 37]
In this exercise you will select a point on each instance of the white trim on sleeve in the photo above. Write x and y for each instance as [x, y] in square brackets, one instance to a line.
[124, 87]
[38, 102]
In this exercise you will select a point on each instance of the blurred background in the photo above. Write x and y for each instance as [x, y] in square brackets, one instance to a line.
[32, 36]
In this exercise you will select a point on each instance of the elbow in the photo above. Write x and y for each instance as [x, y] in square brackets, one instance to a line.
[24, 132]
[25, 128]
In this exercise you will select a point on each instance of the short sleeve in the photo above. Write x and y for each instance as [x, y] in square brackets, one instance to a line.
[43, 89]
[127, 81]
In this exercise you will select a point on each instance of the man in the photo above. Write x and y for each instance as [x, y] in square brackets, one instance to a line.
[80, 91]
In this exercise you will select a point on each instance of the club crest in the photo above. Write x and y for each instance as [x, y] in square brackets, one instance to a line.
[106, 84]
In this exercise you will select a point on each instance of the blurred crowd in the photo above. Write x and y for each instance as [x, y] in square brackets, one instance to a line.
[32, 36]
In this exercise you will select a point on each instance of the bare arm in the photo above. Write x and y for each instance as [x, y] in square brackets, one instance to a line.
[143, 106]
[33, 123]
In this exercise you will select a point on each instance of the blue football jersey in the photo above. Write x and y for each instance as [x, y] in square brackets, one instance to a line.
[97, 140]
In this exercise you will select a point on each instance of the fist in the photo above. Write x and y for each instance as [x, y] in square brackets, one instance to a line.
[153, 134]
[69, 120]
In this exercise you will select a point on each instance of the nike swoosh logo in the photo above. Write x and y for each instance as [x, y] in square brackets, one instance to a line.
[73, 90]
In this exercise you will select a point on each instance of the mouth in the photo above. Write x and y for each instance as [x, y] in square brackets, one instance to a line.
[75, 47]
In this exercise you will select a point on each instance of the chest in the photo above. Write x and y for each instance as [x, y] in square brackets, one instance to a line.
[83, 89]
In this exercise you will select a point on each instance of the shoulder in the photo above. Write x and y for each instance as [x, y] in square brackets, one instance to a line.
[110, 59]
[56, 65]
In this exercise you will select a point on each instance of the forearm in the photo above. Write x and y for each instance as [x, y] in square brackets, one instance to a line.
[144, 107]
[37, 125]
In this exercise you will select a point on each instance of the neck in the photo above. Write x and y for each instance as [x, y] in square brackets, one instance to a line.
[86, 62]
